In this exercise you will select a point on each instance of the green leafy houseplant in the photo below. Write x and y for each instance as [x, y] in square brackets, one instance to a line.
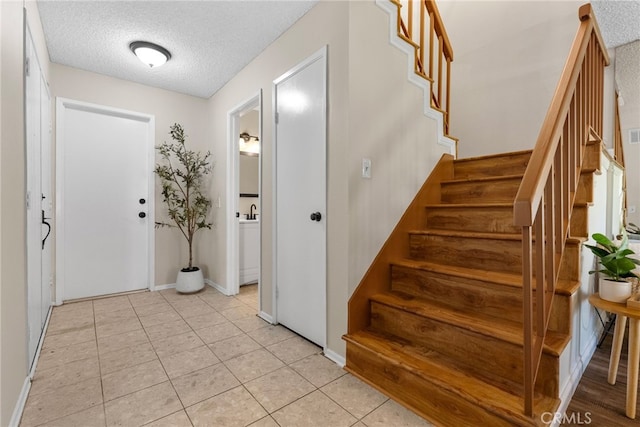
[181, 174]
[614, 258]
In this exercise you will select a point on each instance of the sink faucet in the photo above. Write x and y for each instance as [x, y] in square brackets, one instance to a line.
[251, 214]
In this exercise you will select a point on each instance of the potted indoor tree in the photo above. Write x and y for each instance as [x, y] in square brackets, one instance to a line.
[181, 172]
[617, 267]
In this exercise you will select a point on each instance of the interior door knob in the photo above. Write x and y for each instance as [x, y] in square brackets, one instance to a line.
[142, 215]
[316, 216]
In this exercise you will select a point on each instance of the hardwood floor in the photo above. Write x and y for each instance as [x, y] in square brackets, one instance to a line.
[604, 403]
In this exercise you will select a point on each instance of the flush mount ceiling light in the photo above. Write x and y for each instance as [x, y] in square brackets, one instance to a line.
[149, 53]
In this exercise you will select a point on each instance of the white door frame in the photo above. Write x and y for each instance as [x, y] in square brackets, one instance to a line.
[320, 54]
[233, 190]
[63, 104]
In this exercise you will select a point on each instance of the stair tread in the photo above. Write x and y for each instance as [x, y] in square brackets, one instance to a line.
[435, 368]
[502, 329]
[565, 287]
[468, 205]
[467, 234]
[483, 235]
[491, 156]
[482, 179]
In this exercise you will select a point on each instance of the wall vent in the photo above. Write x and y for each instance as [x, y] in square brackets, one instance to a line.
[634, 136]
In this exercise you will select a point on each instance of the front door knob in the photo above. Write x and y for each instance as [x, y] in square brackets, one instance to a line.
[142, 215]
[316, 216]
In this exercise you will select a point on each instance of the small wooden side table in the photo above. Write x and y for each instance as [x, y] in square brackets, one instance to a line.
[633, 314]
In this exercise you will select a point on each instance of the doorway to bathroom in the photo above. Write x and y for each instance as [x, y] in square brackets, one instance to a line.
[244, 197]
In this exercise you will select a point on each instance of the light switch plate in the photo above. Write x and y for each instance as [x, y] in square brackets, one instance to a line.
[366, 168]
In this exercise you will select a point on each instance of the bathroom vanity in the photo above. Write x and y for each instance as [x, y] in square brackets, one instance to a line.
[249, 250]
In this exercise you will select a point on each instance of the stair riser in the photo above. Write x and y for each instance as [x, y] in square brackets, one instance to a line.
[570, 265]
[585, 189]
[579, 222]
[493, 191]
[494, 219]
[487, 355]
[488, 254]
[504, 302]
[510, 164]
[442, 406]
[592, 157]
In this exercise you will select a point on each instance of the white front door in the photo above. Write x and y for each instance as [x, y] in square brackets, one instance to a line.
[300, 183]
[105, 207]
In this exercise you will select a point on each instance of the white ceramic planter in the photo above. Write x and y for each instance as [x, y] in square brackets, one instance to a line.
[189, 281]
[613, 291]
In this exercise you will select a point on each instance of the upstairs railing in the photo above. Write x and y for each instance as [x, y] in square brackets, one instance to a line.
[546, 195]
[420, 24]
[618, 154]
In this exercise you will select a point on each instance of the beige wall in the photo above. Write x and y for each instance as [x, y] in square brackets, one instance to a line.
[13, 313]
[168, 108]
[385, 124]
[627, 66]
[508, 57]
[325, 24]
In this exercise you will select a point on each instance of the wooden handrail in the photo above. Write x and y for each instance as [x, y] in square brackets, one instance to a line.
[545, 198]
[432, 64]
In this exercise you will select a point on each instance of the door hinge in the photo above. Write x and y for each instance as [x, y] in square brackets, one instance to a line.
[277, 292]
[277, 117]
[28, 199]
[26, 66]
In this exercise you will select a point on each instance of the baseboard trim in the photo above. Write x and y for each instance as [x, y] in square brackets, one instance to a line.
[335, 357]
[22, 400]
[217, 287]
[266, 317]
[396, 41]
[26, 386]
[36, 357]
[164, 287]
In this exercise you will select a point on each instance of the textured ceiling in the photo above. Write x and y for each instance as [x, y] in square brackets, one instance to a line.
[628, 80]
[210, 40]
[619, 21]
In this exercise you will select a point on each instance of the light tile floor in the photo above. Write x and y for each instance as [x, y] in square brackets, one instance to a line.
[165, 359]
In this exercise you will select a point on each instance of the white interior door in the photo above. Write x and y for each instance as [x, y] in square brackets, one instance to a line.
[105, 217]
[46, 200]
[300, 144]
[37, 307]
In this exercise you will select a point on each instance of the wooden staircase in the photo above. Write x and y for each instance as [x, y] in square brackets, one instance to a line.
[444, 334]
